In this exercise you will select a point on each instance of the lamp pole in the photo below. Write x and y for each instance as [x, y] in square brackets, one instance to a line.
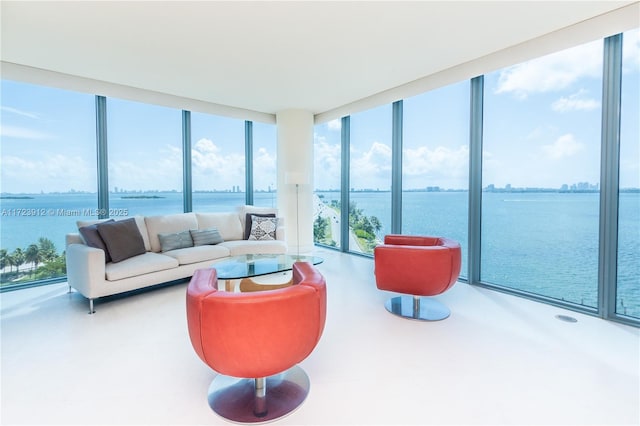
[297, 179]
[297, 222]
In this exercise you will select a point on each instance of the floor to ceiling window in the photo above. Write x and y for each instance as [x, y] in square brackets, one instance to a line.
[327, 154]
[435, 164]
[628, 289]
[541, 165]
[217, 157]
[537, 229]
[47, 178]
[265, 177]
[370, 178]
[145, 159]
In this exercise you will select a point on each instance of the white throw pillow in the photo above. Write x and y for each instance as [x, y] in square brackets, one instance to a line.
[263, 228]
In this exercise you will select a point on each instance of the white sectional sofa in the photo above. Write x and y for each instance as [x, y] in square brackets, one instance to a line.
[90, 272]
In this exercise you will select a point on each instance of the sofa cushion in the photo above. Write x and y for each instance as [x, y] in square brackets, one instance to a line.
[203, 237]
[263, 228]
[175, 240]
[197, 254]
[168, 224]
[228, 224]
[93, 239]
[139, 221]
[139, 265]
[240, 247]
[122, 238]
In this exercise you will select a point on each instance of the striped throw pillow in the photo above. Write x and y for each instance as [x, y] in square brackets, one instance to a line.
[203, 237]
[175, 241]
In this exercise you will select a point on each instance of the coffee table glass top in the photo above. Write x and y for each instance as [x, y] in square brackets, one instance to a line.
[253, 265]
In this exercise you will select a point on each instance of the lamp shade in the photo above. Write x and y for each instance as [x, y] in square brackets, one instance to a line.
[295, 178]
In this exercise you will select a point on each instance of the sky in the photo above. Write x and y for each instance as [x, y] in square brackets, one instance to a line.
[48, 144]
[541, 129]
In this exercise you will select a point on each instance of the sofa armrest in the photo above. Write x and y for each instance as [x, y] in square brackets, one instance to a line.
[85, 269]
[73, 238]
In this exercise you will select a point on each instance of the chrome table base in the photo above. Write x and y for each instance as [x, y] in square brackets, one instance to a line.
[418, 308]
[259, 400]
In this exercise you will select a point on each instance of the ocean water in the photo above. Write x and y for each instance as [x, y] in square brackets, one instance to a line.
[545, 243]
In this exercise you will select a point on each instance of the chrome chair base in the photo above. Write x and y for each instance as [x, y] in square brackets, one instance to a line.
[255, 401]
[417, 308]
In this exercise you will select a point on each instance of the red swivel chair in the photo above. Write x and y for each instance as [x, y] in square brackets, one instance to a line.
[254, 341]
[417, 266]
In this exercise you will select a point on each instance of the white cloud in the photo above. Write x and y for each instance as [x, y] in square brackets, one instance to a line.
[22, 133]
[56, 173]
[18, 112]
[206, 146]
[171, 162]
[371, 169]
[213, 169]
[553, 72]
[160, 172]
[563, 147]
[327, 164]
[335, 125]
[440, 166]
[575, 102]
[264, 170]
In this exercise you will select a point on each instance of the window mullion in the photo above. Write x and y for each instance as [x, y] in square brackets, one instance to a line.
[345, 183]
[396, 169]
[609, 175]
[475, 178]
[102, 157]
[248, 155]
[187, 183]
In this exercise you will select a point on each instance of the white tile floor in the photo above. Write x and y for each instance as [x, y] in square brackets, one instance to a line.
[497, 360]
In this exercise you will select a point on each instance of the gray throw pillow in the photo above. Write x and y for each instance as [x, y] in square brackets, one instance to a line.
[122, 238]
[203, 237]
[93, 239]
[175, 241]
[248, 222]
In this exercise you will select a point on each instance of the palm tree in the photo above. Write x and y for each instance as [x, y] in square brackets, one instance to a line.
[33, 255]
[47, 249]
[375, 222]
[366, 226]
[320, 227]
[18, 258]
[11, 262]
[4, 258]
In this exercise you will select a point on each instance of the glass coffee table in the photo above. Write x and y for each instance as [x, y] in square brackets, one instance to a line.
[247, 266]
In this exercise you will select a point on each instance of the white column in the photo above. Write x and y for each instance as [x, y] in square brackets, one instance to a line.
[295, 164]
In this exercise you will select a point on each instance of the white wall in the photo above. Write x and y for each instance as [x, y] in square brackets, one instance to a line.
[295, 159]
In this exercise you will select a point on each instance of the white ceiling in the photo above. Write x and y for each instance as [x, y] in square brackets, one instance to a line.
[270, 56]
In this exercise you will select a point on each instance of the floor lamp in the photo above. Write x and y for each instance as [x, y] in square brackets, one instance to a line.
[297, 179]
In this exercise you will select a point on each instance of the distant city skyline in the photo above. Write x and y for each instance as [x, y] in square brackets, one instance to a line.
[577, 186]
